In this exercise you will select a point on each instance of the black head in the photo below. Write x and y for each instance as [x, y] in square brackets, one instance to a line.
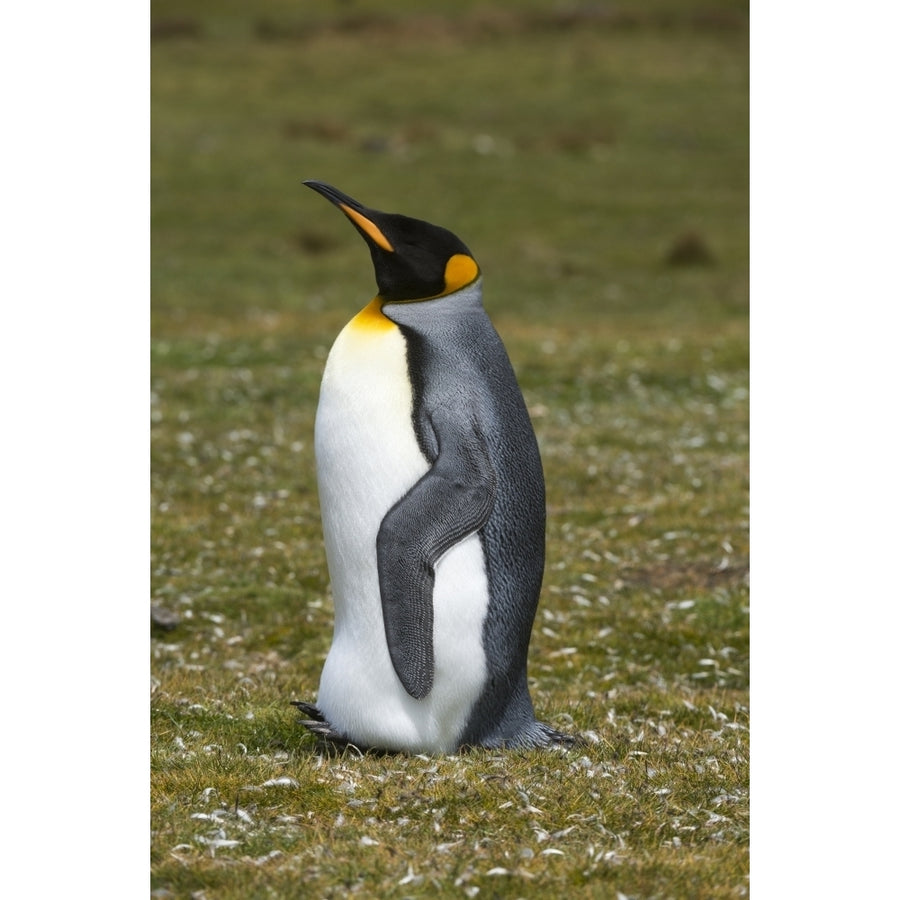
[414, 260]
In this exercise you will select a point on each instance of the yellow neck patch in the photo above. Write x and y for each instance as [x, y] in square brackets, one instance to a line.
[369, 227]
[371, 319]
[459, 271]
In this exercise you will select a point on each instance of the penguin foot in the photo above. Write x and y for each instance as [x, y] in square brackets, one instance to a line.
[320, 726]
[316, 722]
[550, 737]
[539, 736]
[536, 736]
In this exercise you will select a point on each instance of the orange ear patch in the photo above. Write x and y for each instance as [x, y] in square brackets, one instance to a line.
[459, 271]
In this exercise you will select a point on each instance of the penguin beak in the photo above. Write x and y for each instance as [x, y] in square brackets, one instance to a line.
[355, 212]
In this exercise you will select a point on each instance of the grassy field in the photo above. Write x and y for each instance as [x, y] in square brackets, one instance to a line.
[595, 159]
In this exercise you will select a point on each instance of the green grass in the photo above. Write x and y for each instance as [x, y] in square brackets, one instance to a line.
[571, 153]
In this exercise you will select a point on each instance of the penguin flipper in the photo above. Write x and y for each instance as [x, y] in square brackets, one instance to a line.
[451, 501]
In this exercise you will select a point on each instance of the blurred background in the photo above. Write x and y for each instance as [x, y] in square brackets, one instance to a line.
[594, 156]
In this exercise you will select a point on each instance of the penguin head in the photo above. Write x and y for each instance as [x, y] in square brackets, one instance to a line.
[414, 260]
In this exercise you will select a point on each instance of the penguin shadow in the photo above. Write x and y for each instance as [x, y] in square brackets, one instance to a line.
[333, 744]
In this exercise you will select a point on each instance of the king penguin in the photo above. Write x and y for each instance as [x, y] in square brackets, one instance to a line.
[432, 501]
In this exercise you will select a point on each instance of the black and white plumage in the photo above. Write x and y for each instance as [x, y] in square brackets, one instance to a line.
[432, 498]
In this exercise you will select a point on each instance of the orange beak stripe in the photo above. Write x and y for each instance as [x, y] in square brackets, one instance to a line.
[369, 227]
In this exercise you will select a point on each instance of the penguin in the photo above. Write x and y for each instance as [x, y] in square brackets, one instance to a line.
[433, 512]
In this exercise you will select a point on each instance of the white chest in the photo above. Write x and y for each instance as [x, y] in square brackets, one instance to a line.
[367, 458]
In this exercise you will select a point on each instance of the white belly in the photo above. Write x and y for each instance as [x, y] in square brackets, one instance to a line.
[367, 458]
